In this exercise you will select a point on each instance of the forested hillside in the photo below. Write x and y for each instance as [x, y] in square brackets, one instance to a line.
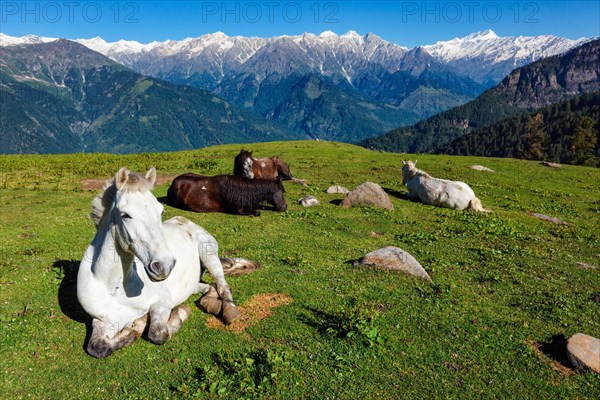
[566, 132]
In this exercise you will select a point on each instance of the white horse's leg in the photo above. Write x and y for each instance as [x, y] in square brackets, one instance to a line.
[210, 259]
[211, 302]
[164, 322]
[105, 338]
[213, 263]
[476, 205]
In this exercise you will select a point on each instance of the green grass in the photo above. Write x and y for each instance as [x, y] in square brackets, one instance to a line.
[504, 284]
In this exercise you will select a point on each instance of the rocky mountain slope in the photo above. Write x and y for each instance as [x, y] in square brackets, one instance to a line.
[62, 97]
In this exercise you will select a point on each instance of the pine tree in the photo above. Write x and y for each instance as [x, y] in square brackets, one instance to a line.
[535, 139]
[583, 143]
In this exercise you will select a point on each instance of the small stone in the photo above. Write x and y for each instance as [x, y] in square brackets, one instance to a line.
[394, 258]
[308, 201]
[337, 189]
[584, 265]
[547, 218]
[584, 352]
[551, 164]
[481, 168]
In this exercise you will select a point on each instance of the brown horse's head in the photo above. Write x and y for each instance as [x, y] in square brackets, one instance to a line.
[242, 164]
[283, 169]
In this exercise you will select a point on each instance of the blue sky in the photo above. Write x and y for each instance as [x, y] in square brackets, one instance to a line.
[407, 23]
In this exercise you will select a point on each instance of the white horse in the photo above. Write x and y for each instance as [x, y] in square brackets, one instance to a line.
[438, 192]
[138, 271]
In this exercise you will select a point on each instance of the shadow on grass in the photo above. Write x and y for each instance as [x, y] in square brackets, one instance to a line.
[398, 195]
[67, 296]
[556, 349]
[325, 322]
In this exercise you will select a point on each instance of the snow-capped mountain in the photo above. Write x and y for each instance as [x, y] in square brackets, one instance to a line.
[207, 58]
[329, 86]
[487, 58]
[6, 40]
[204, 61]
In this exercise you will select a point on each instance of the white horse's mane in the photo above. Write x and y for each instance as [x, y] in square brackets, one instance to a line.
[414, 171]
[102, 202]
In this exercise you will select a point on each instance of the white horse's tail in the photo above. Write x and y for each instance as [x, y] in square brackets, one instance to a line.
[476, 205]
[238, 266]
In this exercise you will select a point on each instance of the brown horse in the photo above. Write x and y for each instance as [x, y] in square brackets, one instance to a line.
[225, 193]
[263, 168]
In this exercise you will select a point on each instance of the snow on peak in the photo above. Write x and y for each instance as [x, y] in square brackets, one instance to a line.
[351, 34]
[326, 34]
[487, 34]
[6, 40]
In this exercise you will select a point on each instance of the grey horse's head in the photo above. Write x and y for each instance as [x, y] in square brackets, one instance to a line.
[409, 170]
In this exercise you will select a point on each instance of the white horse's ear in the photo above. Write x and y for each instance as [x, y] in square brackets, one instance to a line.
[151, 176]
[121, 178]
[403, 162]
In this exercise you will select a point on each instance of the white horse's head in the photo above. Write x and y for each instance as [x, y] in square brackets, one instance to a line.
[409, 170]
[136, 216]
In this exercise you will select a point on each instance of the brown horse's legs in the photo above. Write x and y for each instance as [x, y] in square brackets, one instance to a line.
[105, 341]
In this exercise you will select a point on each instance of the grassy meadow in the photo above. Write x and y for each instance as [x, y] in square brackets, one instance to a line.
[506, 292]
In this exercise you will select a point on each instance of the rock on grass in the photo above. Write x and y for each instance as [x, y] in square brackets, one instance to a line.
[368, 194]
[308, 201]
[584, 352]
[393, 258]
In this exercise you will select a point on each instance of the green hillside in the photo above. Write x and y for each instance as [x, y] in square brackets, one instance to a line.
[505, 296]
[62, 97]
[570, 133]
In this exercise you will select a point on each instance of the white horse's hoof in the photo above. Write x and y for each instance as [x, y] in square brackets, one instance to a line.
[211, 305]
[230, 313]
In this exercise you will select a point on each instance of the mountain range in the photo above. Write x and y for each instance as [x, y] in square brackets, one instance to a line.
[487, 58]
[540, 84]
[62, 97]
[305, 83]
[337, 87]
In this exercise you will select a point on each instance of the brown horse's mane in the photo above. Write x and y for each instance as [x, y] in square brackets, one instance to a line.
[102, 202]
[281, 168]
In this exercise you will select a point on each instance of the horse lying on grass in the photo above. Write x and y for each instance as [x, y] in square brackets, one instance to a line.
[138, 270]
[263, 168]
[225, 193]
[438, 192]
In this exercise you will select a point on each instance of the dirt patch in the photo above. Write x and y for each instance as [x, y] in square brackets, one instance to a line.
[259, 307]
[549, 353]
[98, 184]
